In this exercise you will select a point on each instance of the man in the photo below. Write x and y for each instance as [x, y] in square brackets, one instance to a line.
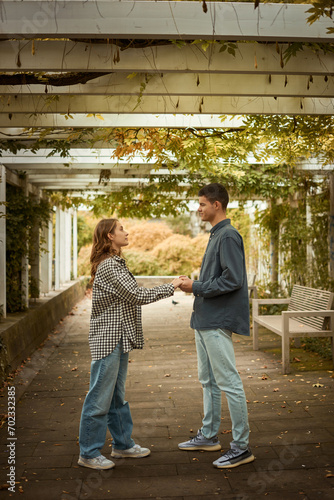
[221, 306]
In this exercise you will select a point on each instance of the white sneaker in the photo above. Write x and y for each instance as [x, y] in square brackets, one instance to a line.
[99, 462]
[135, 452]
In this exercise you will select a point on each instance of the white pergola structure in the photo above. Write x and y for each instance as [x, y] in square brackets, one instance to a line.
[123, 71]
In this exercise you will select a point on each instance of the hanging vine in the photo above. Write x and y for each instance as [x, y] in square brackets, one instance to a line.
[22, 215]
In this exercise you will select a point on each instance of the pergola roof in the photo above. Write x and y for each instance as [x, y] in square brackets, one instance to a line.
[136, 77]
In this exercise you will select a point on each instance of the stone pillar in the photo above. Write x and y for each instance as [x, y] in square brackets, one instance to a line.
[3, 240]
[46, 259]
[75, 245]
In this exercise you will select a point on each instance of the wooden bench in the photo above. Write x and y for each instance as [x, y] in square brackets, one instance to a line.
[309, 315]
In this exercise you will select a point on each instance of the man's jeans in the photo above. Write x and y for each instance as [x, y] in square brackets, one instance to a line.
[104, 406]
[217, 372]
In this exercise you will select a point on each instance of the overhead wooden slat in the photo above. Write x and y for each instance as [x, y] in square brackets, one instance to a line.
[9, 122]
[180, 84]
[67, 56]
[171, 104]
[162, 20]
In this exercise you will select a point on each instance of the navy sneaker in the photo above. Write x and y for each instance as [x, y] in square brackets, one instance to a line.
[233, 458]
[200, 442]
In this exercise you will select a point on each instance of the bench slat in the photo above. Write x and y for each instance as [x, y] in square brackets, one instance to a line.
[305, 298]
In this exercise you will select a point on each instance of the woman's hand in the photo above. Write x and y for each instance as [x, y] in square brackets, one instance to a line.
[177, 282]
[187, 284]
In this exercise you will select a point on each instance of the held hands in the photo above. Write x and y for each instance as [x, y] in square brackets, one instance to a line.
[176, 282]
[184, 283]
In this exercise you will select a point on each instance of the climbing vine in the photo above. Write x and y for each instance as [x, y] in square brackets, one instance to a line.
[23, 213]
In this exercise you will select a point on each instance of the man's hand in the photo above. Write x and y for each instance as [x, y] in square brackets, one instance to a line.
[187, 284]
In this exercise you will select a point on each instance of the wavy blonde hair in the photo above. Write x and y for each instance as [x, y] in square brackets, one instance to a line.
[102, 246]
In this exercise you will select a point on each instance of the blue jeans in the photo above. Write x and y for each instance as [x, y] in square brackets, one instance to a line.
[104, 406]
[217, 372]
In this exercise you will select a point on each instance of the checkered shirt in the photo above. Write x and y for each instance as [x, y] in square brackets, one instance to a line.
[116, 308]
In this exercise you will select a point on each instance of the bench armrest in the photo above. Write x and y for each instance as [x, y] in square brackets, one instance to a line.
[272, 301]
[257, 302]
[300, 314]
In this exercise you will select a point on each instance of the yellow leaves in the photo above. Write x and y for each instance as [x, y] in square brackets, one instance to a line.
[95, 115]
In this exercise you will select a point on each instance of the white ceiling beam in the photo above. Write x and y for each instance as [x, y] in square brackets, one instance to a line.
[45, 169]
[161, 20]
[190, 84]
[168, 120]
[161, 104]
[67, 56]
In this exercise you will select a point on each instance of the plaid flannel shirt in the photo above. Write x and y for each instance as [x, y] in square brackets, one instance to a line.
[116, 311]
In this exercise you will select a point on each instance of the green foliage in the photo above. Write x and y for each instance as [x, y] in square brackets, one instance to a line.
[22, 215]
[180, 224]
[320, 345]
[85, 230]
[178, 255]
[143, 263]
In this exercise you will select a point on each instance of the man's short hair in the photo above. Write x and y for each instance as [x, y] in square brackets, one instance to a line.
[215, 192]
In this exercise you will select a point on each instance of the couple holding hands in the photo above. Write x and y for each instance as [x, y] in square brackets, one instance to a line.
[221, 307]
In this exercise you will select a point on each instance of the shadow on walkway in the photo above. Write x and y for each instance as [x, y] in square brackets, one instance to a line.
[291, 419]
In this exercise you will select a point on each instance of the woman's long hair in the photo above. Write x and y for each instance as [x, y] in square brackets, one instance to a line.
[102, 246]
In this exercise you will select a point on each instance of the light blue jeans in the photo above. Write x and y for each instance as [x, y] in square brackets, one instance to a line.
[104, 406]
[217, 372]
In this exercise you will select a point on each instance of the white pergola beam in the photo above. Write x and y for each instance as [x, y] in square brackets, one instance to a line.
[78, 120]
[250, 58]
[161, 20]
[33, 173]
[172, 104]
[189, 84]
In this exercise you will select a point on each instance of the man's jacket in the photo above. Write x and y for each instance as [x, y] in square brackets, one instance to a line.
[221, 292]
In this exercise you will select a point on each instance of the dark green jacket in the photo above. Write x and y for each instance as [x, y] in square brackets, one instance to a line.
[221, 292]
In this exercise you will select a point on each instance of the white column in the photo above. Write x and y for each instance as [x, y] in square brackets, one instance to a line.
[25, 260]
[35, 258]
[309, 248]
[68, 244]
[46, 259]
[3, 239]
[331, 227]
[62, 245]
[57, 250]
[75, 244]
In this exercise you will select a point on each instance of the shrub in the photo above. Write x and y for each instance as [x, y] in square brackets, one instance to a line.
[83, 261]
[146, 235]
[179, 254]
[142, 263]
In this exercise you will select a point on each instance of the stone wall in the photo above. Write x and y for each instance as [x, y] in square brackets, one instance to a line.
[22, 333]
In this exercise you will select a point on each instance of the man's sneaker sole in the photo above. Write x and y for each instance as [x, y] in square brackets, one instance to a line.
[214, 447]
[246, 460]
[96, 467]
[116, 454]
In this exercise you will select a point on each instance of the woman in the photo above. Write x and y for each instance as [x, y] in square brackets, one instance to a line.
[115, 329]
